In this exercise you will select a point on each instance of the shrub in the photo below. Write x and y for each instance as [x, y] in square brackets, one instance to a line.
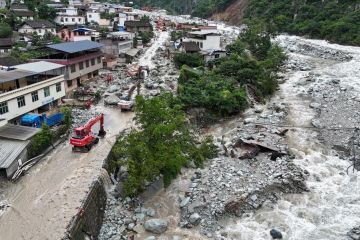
[189, 59]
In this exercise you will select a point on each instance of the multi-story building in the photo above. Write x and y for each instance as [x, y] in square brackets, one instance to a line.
[69, 17]
[82, 60]
[22, 12]
[39, 26]
[32, 87]
[206, 39]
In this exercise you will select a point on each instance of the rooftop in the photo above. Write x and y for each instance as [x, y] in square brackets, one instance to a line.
[73, 47]
[137, 24]
[6, 42]
[205, 32]
[39, 67]
[10, 150]
[8, 61]
[18, 132]
[190, 47]
[39, 24]
[23, 13]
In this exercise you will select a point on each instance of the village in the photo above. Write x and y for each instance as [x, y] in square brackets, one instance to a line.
[120, 120]
[75, 59]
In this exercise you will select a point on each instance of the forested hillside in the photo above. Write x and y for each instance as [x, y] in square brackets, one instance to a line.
[334, 20]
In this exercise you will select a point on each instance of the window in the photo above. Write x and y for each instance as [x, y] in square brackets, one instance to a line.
[62, 19]
[217, 55]
[201, 45]
[79, 19]
[81, 65]
[21, 101]
[58, 87]
[99, 60]
[93, 62]
[73, 68]
[3, 108]
[73, 19]
[46, 92]
[90, 16]
[69, 83]
[66, 19]
[34, 96]
[87, 63]
[39, 30]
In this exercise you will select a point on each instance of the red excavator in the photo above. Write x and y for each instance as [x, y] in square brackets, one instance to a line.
[83, 139]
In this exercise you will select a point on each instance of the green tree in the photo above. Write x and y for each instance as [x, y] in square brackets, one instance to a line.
[5, 30]
[46, 12]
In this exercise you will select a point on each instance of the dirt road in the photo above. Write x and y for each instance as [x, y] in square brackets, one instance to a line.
[43, 201]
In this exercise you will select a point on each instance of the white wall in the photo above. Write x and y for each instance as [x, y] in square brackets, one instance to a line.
[93, 17]
[69, 20]
[27, 29]
[211, 42]
[11, 98]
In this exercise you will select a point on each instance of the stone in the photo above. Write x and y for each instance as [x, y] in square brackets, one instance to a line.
[184, 202]
[112, 100]
[113, 88]
[315, 105]
[176, 238]
[248, 120]
[131, 226]
[150, 212]
[150, 238]
[275, 234]
[195, 218]
[156, 225]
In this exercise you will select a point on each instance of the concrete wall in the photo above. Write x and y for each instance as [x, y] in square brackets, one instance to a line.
[87, 223]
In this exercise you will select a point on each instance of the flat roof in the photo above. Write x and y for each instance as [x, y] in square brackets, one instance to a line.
[18, 132]
[205, 32]
[73, 47]
[6, 76]
[39, 67]
[132, 52]
[10, 150]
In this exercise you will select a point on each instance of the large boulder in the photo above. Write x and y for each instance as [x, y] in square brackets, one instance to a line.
[195, 218]
[275, 234]
[156, 225]
[112, 100]
[113, 88]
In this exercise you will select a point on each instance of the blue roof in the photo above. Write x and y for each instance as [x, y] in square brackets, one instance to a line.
[78, 46]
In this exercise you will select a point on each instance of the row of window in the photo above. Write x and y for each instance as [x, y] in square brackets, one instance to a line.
[87, 64]
[34, 97]
[67, 20]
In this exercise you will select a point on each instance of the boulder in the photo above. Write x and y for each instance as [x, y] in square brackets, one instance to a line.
[156, 225]
[275, 234]
[150, 238]
[184, 202]
[150, 212]
[112, 100]
[113, 88]
[194, 218]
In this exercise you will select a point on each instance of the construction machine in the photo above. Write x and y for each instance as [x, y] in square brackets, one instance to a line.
[83, 139]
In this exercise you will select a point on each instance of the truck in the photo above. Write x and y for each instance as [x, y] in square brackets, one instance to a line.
[36, 120]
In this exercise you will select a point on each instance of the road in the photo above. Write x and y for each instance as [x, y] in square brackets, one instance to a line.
[44, 200]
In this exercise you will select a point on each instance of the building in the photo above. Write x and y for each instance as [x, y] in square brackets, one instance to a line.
[206, 39]
[213, 54]
[31, 87]
[189, 47]
[117, 43]
[37, 26]
[82, 60]
[22, 12]
[69, 17]
[92, 16]
[6, 45]
[2, 3]
[6, 63]
[138, 26]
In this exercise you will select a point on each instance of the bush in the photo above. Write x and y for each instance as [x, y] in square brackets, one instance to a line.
[5, 30]
[190, 59]
[162, 144]
[40, 142]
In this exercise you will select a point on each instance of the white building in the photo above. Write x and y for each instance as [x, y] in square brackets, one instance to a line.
[93, 17]
[32, 87]
[39, 26]
[206, 39]
[69, 17]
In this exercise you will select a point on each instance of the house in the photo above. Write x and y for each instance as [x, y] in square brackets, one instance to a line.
[109, 62]
[2, 3]
[22, 12]
[82, 60]
[205, 39]
[138, 26]
[117, 43]
[6, 45]
[213, 54]
[31, 87]
[69, 17]
[189, 47]
[39, 26]
[92, 16]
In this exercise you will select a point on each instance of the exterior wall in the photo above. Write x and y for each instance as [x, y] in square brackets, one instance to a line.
[68, 20]
[93, 17]
[82, 74]
[211, 42]
[24, 18]
[15, 164]
[41, 31]
[11, 97]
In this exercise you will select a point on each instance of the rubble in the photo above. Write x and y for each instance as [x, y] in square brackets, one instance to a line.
[156, 225]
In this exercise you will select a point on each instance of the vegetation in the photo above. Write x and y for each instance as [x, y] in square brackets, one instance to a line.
[44, 139]
[221, 90]
[192, 60]
[5, 30]
[336, 21]
[162, 144]
[146, 36]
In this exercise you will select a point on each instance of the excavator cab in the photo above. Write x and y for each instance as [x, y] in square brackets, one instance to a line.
[79, 133]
